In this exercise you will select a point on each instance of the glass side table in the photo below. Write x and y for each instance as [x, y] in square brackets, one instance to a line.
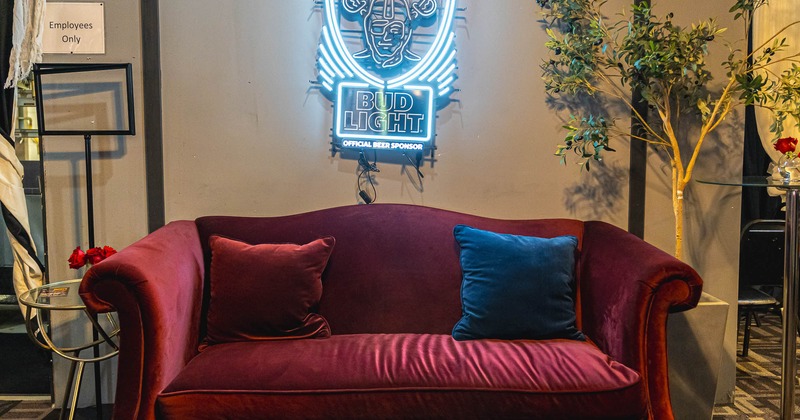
[791, 278]
[63, 296]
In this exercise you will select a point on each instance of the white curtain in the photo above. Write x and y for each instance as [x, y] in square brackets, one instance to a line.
[27, 273]
[27, 39]
[26, 50]
[766, 22]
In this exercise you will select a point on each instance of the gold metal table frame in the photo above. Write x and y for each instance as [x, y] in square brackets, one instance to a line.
[791, 279]
[63, 296]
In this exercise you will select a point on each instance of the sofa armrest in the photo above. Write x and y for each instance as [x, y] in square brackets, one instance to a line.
[155, 285]
[627, 289]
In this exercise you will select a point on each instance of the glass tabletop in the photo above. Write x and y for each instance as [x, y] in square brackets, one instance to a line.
[752, 181]
[62, 295]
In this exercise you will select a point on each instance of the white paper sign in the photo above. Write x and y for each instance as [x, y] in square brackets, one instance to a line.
[74, 28]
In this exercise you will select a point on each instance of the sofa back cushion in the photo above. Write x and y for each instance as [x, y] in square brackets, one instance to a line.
[395, 267]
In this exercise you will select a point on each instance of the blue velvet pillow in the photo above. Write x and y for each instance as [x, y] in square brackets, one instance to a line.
[516, 287]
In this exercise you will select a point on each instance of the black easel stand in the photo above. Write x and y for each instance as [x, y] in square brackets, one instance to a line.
[121, 105]
[90, 224]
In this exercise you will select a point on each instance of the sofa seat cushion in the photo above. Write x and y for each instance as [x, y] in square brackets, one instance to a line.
[403, 376]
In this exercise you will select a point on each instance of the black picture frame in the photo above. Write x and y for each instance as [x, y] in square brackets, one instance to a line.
[45, 69]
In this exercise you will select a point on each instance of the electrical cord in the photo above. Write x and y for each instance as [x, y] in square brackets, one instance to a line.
[418, 184]
[365, 169]
[416, 164]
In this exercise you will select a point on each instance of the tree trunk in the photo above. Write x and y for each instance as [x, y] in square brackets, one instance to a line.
[677, 206]
[678, 184]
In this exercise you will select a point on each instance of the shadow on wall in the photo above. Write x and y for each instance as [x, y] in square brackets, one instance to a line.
[598, 195]
[720, 158]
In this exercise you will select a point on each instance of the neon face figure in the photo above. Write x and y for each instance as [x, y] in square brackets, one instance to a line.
[388, 28]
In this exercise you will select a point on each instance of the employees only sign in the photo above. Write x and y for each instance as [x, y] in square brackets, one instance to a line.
[74, 28]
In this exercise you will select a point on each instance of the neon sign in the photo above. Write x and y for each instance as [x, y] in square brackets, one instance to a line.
[387, 65]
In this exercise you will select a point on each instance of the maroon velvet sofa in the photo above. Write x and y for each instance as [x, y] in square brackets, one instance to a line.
[391, 294]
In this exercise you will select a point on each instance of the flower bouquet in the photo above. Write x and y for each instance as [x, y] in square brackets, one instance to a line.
[788, 167]
[92, 256]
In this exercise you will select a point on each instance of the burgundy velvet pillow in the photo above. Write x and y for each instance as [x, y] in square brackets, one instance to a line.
[266, 292]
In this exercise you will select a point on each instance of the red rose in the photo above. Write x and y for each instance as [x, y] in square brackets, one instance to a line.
[94, 255]
[108, 251]
[77, 259]
[786, 144]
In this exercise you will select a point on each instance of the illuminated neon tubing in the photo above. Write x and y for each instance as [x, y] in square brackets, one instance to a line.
[440, 62]
[325, 77]
[444, 70]
[342, 57]
[324, 66]
[435, 49]
[332, 50]
[447, 82]
[338, 43]
[325, 52]
[348, 136]
[444, 74]
[434, 52]
[329, 60]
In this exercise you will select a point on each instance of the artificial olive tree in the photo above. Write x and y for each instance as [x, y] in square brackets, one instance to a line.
[593, 55]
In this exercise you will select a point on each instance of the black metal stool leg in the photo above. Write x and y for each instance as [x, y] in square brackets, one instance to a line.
[746, 341]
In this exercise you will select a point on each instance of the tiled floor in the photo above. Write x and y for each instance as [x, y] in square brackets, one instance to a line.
[757, 394]
[43, 410]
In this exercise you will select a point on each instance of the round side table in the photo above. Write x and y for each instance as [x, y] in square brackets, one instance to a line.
[63, 296]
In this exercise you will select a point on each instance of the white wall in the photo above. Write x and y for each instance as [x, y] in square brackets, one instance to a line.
[244, 135]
